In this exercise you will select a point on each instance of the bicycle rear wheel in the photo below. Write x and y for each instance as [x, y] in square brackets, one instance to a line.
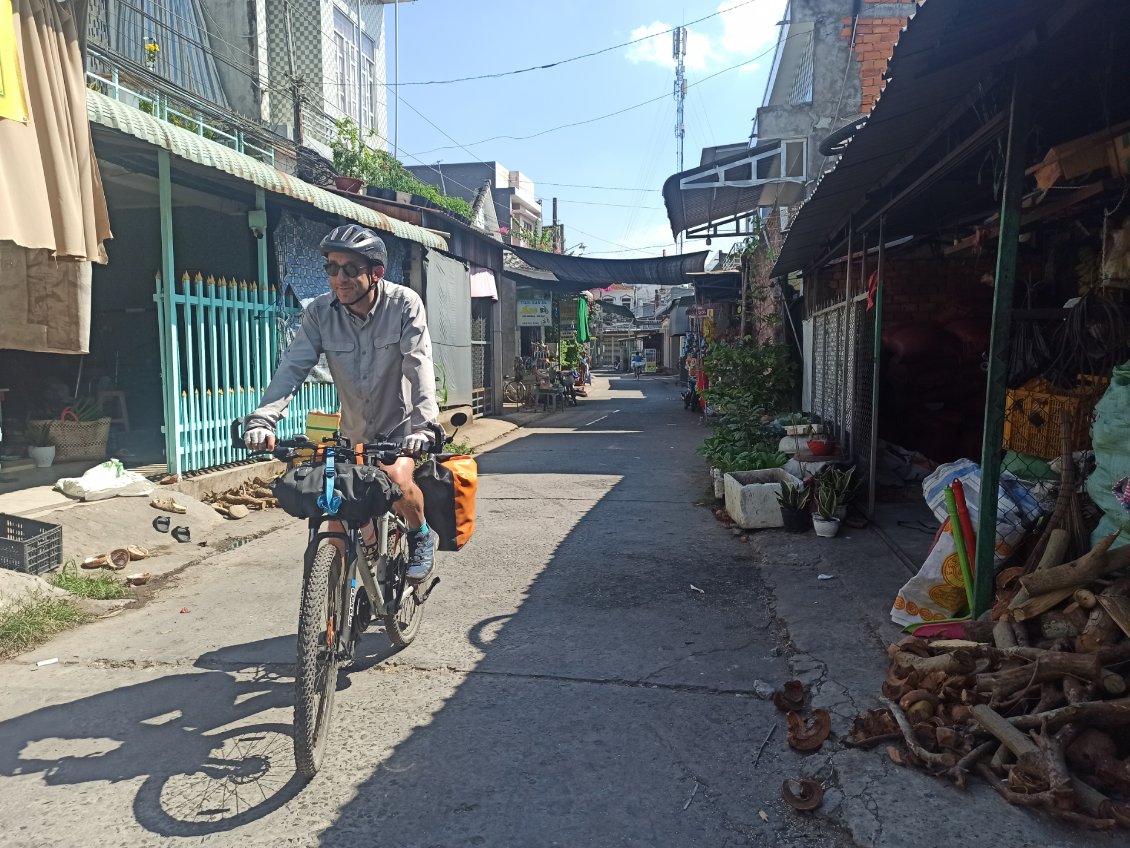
[318, 639]
[402, 626]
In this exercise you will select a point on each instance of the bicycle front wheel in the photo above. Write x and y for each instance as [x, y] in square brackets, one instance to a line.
[318, 638]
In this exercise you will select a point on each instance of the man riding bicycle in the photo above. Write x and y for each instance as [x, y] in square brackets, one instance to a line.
[374, 335]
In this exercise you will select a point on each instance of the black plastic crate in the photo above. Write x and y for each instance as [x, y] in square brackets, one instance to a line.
[32, 547]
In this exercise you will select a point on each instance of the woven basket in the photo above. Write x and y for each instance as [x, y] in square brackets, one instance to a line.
[78, 439]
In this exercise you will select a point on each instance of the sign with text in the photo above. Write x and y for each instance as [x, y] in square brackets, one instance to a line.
[535, 313]
[696, 311]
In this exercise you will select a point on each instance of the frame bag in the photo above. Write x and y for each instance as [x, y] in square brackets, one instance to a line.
[449, 485]
[365, 491]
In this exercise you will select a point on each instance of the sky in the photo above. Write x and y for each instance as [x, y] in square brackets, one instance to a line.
[606, 174]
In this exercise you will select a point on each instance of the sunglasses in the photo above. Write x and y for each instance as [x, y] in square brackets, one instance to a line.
[350, 269]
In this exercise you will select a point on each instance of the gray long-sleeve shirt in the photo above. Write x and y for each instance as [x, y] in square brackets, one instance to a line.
[381, 365]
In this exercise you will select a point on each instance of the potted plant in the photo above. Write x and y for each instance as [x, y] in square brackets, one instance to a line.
[825, 522]
[40, 444]
[793, 500]
[80, 431]
[843, 482]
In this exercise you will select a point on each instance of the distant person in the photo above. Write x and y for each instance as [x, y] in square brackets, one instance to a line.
[637, 364]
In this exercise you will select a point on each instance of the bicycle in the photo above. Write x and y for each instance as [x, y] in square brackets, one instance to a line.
[339, 597]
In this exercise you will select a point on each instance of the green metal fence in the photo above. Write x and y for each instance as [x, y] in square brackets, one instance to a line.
[220, 342]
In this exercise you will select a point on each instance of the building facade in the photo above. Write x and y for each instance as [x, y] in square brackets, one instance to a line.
[516, 204]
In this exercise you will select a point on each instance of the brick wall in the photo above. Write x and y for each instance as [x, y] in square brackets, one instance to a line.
[875, 39]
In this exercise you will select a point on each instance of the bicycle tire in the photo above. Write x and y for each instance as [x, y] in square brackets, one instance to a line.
[315, 680]
[403, 625]
[511, 393]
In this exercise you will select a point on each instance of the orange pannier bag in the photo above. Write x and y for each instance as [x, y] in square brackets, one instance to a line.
[449, 484]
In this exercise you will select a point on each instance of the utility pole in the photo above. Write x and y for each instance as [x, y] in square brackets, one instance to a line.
[679, 51]
[360, 85]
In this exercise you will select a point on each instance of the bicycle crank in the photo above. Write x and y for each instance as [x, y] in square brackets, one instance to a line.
[428, 593]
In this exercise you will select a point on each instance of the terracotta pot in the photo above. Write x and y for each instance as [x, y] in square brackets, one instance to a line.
[821, 447]
[795, 520]
[350, 184]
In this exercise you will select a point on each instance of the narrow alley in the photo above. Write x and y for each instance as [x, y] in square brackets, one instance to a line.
[591, 672]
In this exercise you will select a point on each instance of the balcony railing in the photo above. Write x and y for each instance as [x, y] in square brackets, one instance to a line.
[160, 105]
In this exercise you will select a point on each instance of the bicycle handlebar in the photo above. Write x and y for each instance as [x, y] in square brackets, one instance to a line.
[386, 451]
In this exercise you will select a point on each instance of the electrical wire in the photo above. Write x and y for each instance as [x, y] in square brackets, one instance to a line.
[598, 188]
[572, 124]
[573, 58]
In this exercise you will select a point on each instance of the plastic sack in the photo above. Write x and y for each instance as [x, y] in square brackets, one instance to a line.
[108, 480]
[1110, 439]
[938, 590]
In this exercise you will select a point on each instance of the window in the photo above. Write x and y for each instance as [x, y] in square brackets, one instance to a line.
[356, 101]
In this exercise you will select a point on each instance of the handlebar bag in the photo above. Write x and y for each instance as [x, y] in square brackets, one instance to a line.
[365, 491]
[449, 486]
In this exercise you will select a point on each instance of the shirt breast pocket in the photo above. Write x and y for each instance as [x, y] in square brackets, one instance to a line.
[341, 355]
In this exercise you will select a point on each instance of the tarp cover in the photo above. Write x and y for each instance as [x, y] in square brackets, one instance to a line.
[447, 285]
[599, 273]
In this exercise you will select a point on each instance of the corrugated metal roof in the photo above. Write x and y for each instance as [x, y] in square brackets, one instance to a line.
[108, 112]
[945, 52]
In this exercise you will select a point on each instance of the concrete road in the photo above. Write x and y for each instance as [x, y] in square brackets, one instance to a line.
[587, 675]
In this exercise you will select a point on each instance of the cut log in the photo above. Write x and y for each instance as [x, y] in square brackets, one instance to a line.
[1056, 550]
[1003, 636]
[1077, 573]
[1054, 665]
[928, 757]
[1101, 628]
[958, 662]
[1118, 608]
[1106, 713]
[1027, 754]
[1041, 603]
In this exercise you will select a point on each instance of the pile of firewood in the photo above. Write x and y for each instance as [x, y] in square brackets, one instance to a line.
[1034, 702]
[236, 502]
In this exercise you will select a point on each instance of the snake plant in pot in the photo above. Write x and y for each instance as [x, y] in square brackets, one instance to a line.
[825, 522]
[40, 444]
[793, 500]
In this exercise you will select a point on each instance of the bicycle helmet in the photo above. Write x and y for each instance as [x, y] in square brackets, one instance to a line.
[353, 238]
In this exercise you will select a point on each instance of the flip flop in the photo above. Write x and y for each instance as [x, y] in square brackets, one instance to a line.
[182, 534]
[161, 524]
[168, 505]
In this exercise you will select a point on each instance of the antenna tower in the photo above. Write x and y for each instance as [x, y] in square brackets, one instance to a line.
[679, 51]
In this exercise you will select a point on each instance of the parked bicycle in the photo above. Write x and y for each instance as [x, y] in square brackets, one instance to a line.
[354, 569]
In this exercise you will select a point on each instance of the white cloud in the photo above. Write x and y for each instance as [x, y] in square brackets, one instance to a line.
[658, 50]
[751, 28]
[737, 33]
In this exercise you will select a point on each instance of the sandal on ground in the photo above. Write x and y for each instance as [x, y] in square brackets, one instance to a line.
[168, 505]
[182, 534]
[161, 524]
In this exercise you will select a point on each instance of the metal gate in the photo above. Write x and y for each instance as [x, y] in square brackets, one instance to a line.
[843, 372]
[482, 361]
[220, 342]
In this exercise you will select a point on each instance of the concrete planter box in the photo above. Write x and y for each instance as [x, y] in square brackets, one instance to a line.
[751, 497]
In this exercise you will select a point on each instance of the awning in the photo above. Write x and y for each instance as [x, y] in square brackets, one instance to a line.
[948, 54]
[483, 283]
[718, 286]
[726, 190]
[187, 145]
[598, 273]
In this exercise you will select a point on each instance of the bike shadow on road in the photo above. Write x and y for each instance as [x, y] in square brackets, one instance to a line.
[211, 746]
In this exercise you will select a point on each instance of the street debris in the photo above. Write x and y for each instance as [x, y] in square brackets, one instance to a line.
[119, 558]
[139, 579]
[691, 798]
[237, 502]
[808, 737]
[763, 690]
[790, 698]
[764, 742]
[808, 795]
[184, 610]
[167, 504]
[96, 561]
[764, 816]
[700, 591]
[42, 663]
[136, 552]
[825, 577]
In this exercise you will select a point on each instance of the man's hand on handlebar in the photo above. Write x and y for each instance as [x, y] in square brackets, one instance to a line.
[259, 439]
[417, 443]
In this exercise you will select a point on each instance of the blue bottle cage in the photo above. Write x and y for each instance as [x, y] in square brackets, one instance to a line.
[329, 501]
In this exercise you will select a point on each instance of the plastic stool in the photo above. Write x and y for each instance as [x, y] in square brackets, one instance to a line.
[119, 397]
